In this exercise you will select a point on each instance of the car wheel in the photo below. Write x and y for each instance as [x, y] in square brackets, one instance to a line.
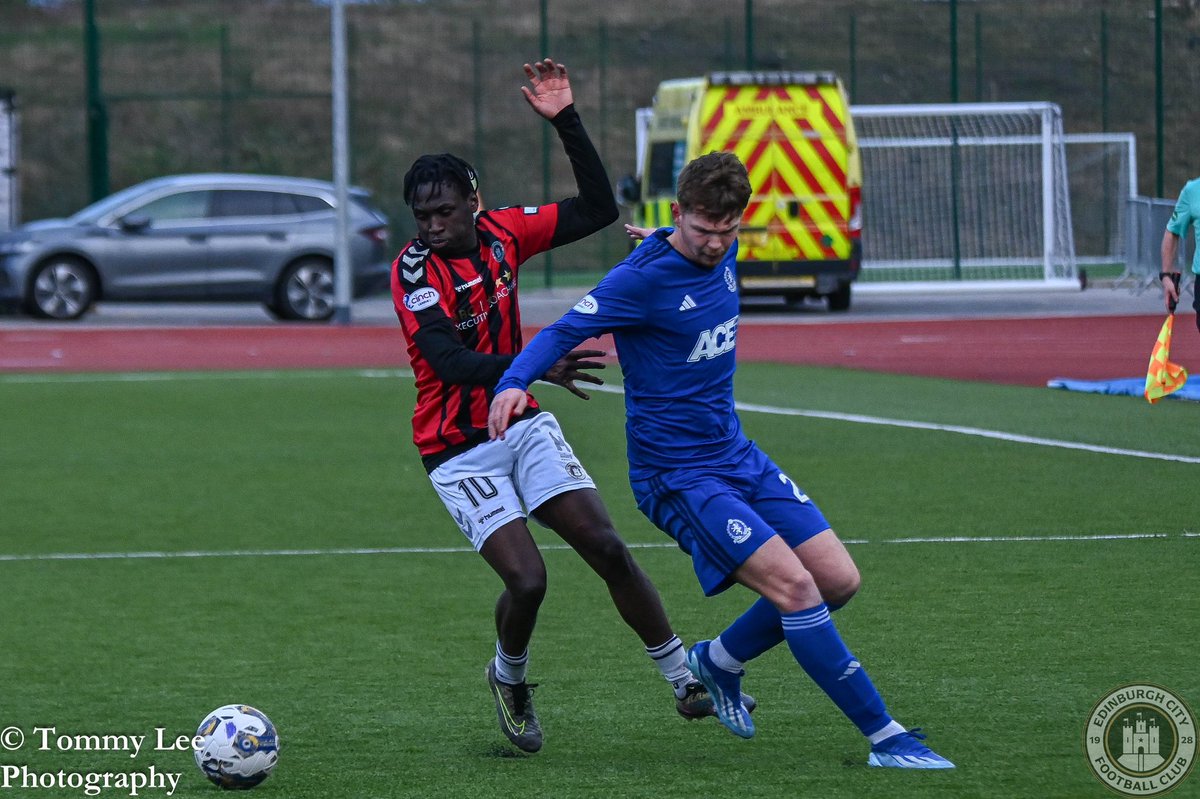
[305, 291]
[61, 288]
[840, 299]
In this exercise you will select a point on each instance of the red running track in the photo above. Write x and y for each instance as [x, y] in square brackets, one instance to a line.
[1013, 351]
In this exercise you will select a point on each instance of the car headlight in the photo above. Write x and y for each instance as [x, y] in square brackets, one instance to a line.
[16, 247]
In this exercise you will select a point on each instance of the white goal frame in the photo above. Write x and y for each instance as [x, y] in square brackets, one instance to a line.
[1049, 189]
[10, 210]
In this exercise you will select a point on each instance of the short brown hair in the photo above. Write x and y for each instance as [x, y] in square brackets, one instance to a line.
[715, 185]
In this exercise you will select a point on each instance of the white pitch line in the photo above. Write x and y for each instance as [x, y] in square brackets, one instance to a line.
[342, 551]
[1015, 438]
[164, 377]
[980, 432]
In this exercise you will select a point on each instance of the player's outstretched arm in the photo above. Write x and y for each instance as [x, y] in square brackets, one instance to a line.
[549, 91]
[507, 404]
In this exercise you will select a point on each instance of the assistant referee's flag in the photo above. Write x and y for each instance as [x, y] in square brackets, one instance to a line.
[1163, 377]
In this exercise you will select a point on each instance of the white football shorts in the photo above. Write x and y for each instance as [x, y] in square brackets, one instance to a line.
[491, 484]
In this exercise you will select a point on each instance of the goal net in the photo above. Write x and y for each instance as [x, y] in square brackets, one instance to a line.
[970, 191]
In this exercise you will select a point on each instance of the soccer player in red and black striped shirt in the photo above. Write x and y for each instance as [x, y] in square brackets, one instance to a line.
[455, 292]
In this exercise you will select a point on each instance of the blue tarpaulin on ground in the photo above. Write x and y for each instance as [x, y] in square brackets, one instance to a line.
[1126, 386]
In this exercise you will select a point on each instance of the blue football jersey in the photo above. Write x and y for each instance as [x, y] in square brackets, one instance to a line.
[675, 326]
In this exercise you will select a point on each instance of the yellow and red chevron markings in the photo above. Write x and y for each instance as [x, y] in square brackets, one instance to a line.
[793, 144]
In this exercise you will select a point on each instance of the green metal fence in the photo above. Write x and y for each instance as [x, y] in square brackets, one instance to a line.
[203, 85]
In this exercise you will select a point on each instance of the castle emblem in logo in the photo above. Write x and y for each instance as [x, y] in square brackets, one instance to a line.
[498, 252]
[1141, 740]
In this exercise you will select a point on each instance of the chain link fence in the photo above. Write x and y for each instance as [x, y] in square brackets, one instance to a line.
[1148, 217]
[244, 85]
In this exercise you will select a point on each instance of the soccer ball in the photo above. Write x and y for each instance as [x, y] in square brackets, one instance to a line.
[239, 746]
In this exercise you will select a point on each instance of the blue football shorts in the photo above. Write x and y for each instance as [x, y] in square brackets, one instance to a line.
[721, 514]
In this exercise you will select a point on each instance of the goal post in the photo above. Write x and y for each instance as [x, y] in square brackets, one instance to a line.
[965, 192]
[9, 207]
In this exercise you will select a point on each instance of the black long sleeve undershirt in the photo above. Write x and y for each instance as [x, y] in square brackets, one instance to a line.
[593, 209]
[452, 362]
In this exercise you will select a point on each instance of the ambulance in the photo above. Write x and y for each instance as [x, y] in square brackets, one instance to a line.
[801, 234]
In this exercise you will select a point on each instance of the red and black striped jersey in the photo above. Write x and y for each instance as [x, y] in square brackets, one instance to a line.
[454, 310]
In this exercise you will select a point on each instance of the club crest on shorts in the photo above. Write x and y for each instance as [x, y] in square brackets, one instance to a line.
[1141, 740]
[738, 530]
[576, 471]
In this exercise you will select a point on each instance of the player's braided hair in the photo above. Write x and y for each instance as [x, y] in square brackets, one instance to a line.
[434, 170]
[715, 184]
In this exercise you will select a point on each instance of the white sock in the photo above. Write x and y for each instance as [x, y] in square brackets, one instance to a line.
[722, 659]
[894, 728]
[671, 659]
[511, 670]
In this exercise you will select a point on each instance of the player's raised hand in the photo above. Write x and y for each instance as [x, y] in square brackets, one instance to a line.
[549, 90]
[508, 403]
[567, 369]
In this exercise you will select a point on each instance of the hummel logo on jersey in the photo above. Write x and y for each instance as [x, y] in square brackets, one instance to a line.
[718, 341]
[688, 303]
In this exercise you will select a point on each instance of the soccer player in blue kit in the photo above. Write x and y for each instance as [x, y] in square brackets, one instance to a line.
[672, 307]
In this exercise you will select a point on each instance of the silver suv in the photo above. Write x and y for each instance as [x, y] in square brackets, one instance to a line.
[197, 238]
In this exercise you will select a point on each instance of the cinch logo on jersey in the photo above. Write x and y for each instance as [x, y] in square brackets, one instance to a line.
[587, 305]
[421, 299]
[718, 341]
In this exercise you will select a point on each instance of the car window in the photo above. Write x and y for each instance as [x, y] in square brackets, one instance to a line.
[237, 202]
[184, 205]
[666, 160]
[109, 204]
[307, 204]
[252, 202]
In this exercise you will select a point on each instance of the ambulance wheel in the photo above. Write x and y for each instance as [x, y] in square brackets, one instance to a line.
[840, 299]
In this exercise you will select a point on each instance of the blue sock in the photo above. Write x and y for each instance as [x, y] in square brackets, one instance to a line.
[754, 632]
[818, 648]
